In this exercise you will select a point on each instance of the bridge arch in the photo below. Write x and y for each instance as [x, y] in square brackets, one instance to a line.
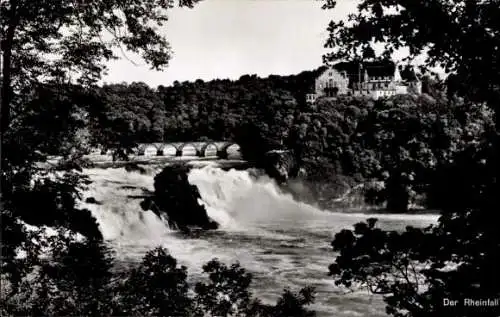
[148, 150]
[208, 149]
[168, 149]
[229, 151]
[187, 149]
[202, 149]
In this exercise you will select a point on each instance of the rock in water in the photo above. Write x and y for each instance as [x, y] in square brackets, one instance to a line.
[280, 165]
[176, 198]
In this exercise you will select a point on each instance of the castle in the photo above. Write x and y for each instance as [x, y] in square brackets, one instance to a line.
[375, 79]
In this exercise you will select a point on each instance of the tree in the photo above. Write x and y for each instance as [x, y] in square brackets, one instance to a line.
[80, 278]
[47, 46]
[460, 36]
[54, 120]
[61, 42]
[72, 277]
[71, 40]
[158, 287]
[227, 293]
[458, 257]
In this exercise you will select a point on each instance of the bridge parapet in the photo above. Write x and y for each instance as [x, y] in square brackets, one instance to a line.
[221, 149]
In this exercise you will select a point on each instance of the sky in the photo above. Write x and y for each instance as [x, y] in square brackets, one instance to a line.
[230, 38]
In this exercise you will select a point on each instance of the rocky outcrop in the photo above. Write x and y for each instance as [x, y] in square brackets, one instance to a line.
[325, 194]
[177, 200]
[315, 182]
[280, 165]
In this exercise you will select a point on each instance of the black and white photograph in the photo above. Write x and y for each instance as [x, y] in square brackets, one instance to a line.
[250, 158]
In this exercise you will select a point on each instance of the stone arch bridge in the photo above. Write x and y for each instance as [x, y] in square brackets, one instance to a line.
[199, 149]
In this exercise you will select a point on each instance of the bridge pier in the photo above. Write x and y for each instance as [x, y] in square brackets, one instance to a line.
[222, 154]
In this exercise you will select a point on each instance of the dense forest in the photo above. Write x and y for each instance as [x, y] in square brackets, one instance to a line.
[126, 114]
[190, 111]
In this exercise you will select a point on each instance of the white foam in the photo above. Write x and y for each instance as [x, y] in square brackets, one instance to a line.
[236, 198]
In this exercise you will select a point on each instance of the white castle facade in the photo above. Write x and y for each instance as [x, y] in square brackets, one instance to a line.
[372, 79]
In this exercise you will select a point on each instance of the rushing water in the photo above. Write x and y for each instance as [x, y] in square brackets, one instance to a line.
[284, 243]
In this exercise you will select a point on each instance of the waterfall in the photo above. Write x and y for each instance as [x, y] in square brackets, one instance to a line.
[284, 243]
[239, 198]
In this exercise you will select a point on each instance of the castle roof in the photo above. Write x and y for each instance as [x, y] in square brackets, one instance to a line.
[382, 68]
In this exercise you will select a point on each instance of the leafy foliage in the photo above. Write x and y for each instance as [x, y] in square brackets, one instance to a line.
[60, 274]
[250, 110]
[79, 279]
[419, 268]
[46, 47]
[156, 288]
[451, 33]
[227, 293]
[52, 203]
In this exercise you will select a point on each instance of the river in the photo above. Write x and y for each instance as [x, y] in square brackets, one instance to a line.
[284, 243]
